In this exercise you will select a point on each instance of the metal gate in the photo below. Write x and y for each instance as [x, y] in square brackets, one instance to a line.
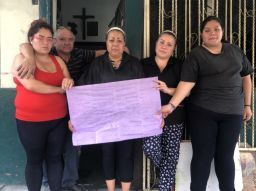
[184, 18]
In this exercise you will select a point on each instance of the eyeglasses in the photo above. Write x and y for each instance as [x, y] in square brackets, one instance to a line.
[41, 38]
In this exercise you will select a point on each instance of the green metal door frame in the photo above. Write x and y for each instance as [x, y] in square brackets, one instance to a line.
[45, 10]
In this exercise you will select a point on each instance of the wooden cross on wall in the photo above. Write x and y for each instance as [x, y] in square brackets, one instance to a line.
[83, 17]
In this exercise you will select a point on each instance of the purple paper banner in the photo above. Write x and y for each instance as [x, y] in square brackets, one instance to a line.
[115, 111]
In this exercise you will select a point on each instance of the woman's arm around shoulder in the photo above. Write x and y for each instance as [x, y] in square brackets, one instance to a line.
[31, 83]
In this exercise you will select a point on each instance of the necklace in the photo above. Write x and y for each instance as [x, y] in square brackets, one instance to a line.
[116, 63]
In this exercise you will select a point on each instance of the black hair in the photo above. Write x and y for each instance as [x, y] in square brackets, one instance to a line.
[36, 25]
[208, 19]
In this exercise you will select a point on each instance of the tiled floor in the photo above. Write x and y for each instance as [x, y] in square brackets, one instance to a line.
[13, 188]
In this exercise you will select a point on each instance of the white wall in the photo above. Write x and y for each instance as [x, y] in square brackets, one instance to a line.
[15, 17]
[103, 10]
[183, 170]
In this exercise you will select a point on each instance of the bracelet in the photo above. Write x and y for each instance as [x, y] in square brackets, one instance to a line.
[173, 106]
[247, 105]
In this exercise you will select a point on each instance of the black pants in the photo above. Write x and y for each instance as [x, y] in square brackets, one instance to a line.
[43, 140]
[213, 135]
[118, 160]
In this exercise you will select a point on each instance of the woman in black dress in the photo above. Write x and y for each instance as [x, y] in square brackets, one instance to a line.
[115, 65]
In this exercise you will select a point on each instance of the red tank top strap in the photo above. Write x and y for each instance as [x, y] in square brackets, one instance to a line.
[56, 63]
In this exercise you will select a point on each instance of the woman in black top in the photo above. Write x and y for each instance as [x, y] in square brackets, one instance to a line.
[115, 65]
[218, 76]
[163, 149]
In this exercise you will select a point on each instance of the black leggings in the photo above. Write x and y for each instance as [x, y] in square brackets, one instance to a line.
[213, 135]
[43, 140]
[118, 157]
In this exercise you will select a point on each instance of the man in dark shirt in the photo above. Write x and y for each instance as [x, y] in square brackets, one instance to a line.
[77, 61]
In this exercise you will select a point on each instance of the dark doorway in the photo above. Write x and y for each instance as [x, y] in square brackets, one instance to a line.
[90, 168]
[86, 21]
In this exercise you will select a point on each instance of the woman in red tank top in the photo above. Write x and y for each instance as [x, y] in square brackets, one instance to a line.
[41, 109]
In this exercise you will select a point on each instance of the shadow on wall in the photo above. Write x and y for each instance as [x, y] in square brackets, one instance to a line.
[12, 156]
